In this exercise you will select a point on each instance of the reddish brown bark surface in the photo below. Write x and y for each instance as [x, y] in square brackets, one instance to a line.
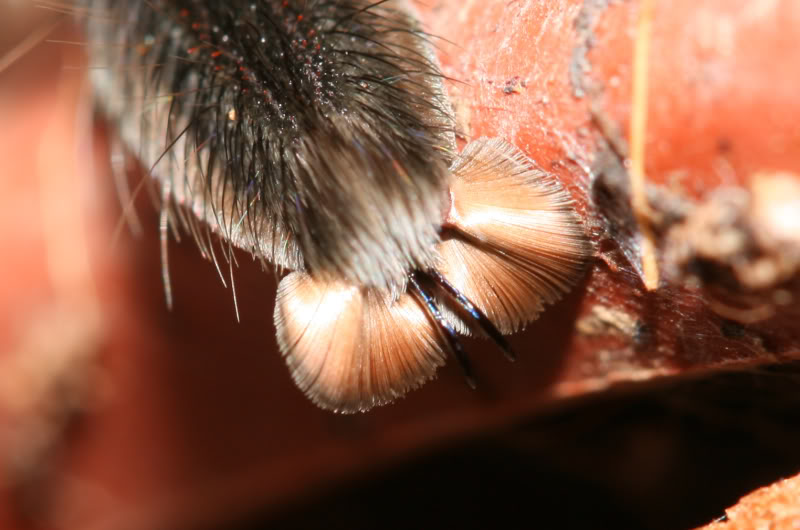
[775, 506]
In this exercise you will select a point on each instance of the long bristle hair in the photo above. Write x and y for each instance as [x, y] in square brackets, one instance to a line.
[314, 134]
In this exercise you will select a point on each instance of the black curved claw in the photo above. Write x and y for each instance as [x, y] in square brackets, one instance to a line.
[452, 336]
[477, 315]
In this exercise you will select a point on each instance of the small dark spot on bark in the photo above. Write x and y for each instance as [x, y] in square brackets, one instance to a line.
[731, 329]
[642, 333]
[514, 85]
